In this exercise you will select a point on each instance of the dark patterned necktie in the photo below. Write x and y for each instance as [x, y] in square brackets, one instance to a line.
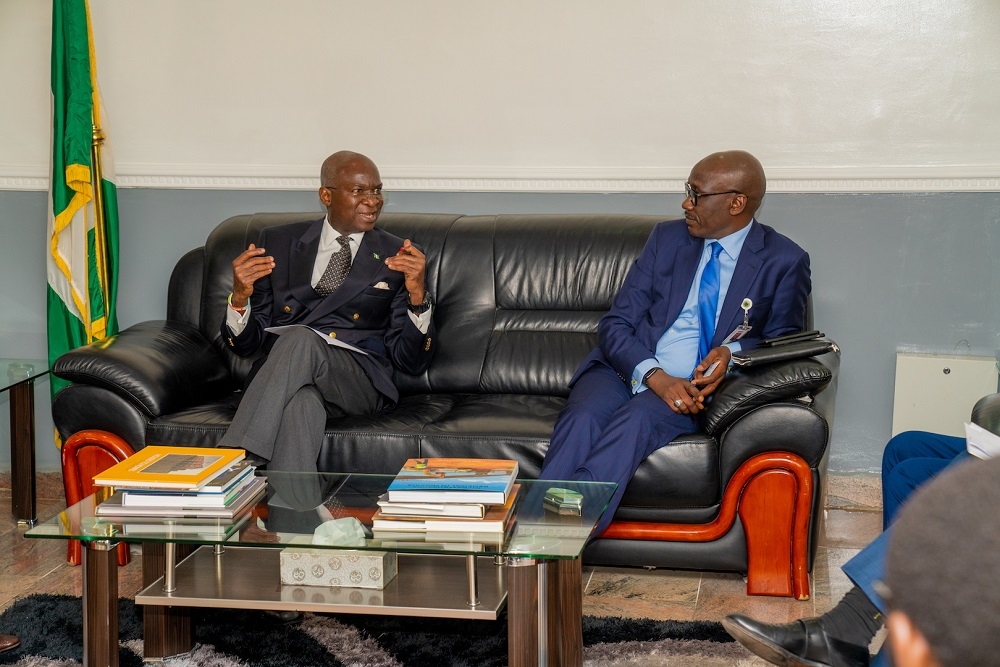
[337, 270]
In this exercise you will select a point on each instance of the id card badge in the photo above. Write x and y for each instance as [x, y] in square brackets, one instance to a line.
[743, 329]
[738, 332]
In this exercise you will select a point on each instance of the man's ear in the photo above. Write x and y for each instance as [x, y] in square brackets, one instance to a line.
[738, 204]
[909, 646]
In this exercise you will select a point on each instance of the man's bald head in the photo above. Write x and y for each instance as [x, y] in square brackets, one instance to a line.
[334, 164]
[740, 171]
[724, 191]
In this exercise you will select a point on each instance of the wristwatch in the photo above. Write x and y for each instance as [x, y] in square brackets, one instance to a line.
[423, 307]
[648, 374]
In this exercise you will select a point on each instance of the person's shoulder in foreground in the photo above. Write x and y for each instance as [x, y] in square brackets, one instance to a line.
[942, 582]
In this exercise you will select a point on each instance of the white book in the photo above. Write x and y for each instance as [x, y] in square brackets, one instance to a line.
[431, 510]
[981, 443]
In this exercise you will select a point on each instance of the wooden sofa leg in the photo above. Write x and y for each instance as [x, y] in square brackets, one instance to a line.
[773, 494]
[84, 454]
[774, 507]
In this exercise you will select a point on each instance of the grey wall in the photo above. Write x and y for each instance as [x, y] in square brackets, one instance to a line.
[891, 272]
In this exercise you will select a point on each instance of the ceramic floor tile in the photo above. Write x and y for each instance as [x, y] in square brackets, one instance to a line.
[854, 491]
[725, 593]
[640, 593]
[850, 529]
[830, 583]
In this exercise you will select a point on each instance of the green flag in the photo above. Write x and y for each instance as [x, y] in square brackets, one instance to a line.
[82, 252]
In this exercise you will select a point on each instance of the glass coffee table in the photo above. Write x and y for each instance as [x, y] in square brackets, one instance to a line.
[535, 569]
[17, 378]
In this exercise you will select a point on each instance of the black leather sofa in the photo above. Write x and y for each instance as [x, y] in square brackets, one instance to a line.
[518, 298]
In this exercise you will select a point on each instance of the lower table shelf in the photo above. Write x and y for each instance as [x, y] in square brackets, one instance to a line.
[248, 578]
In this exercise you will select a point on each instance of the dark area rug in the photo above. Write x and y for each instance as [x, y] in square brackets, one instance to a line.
[51, 629]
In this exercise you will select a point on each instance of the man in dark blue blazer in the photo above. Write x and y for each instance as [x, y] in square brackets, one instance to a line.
[715, 282]
[354, 299]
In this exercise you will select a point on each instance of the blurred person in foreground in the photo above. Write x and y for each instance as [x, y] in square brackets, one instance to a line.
[942, 579]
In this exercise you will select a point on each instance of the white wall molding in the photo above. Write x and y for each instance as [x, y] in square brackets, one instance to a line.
[958, 178]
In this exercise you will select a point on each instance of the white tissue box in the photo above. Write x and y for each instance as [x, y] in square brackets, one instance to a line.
[349, 568]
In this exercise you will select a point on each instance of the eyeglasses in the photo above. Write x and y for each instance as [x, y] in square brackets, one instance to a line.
[359, 193]
[694, 194]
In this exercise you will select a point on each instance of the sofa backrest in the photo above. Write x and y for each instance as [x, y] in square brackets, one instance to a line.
[517, 297]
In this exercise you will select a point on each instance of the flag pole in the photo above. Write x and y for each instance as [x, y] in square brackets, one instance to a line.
[100, 234]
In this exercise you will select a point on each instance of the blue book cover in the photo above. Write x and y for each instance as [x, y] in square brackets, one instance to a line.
[454, 480]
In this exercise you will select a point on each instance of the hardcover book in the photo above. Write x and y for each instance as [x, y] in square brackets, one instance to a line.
[251, 493]
[179, 468]
[497, 520]
[167, 498]
[431, 510]
[443, 480]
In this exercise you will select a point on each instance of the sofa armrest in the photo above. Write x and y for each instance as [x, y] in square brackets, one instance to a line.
[159, 366]
[749, 388]
[986, 413]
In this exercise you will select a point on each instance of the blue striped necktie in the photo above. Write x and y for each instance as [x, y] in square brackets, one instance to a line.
[708, 300]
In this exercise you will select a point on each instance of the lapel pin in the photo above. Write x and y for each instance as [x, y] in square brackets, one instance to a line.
[375, 255]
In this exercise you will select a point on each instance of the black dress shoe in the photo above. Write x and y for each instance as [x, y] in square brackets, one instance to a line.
[798, 644]
[7, 642]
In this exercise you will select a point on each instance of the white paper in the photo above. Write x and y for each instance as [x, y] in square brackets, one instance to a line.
[981, 443]
[329, 339]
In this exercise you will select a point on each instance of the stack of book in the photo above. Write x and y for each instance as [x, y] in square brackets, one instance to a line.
[440, 499]
[190, 483]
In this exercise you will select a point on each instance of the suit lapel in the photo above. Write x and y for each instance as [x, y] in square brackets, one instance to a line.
[301, 258]
[685, 266]
[741, 285]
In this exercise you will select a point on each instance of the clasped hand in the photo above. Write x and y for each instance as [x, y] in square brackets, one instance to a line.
[685, 396]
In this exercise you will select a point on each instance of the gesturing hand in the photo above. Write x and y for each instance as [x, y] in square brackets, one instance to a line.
[412, 264]
[248, 268]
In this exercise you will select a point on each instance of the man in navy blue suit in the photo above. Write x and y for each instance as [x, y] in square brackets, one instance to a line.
[716, 282]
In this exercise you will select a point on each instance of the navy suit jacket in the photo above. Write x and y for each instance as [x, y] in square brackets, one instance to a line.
[360, 312]
[772, 271]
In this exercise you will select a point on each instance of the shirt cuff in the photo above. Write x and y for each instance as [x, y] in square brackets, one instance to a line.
[236, 322]
[734, 346]
[422, 321]
[641, 369]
